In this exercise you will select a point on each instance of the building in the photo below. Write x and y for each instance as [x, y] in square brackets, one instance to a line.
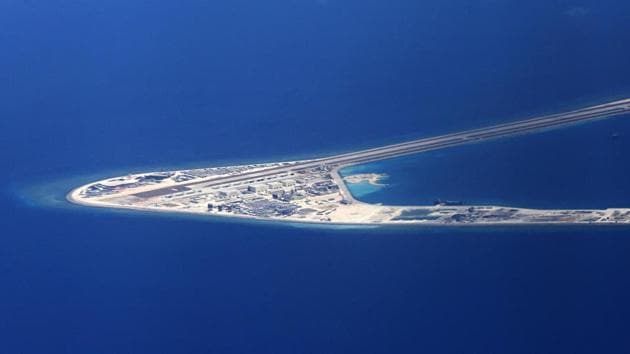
[277, 194]
[274, 185]
[229, 193]
[288, 183]
[258, 188]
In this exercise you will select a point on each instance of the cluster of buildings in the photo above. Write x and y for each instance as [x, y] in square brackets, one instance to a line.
[276, 189]
[307, 191]
[278, 195]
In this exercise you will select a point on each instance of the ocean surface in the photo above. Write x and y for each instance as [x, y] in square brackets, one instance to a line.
[91, 90]
[579, 166]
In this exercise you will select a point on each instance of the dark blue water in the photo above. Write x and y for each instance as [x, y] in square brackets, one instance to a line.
[582, 166]
[96, 89]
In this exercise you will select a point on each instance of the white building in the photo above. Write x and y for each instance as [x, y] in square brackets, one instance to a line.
[274, 185]
[258, 188]
[228, 193]
[288, 183]
[277, 194]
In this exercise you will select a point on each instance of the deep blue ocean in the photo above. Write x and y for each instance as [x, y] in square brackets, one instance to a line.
[582, 166]
[93, 89]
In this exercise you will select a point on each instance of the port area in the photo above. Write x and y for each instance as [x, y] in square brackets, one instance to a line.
[312, 191]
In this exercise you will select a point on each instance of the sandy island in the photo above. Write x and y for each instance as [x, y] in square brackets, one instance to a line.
[312, 191]
[311, 197]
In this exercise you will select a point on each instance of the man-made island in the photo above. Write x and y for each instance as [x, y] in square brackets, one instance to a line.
[312, 191]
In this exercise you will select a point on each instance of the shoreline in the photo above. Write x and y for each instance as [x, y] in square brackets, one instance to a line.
[70, 198]
[333, 224]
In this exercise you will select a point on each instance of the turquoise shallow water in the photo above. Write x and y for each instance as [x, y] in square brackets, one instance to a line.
[364, 188]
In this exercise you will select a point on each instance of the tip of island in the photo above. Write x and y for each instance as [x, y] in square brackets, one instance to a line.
[313, 191]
